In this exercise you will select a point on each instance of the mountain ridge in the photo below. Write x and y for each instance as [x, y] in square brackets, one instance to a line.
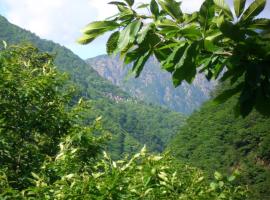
[148, 87]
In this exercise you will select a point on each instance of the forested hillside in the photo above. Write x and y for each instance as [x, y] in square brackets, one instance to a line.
[47, 151]
[154, 85]
[214, 139]
[128, 120]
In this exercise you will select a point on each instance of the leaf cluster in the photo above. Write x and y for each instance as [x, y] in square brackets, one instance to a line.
[214, 40]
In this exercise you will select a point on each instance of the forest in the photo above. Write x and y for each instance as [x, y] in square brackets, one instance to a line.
[68, 133]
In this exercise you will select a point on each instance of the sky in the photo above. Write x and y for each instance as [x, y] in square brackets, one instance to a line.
[62, 20]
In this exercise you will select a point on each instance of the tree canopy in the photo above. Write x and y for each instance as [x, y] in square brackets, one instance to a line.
[223, 44]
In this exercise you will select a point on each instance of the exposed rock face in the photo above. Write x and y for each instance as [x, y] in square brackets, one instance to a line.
[154, 85]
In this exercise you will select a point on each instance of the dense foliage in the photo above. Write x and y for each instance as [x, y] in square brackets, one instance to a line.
[210, 40]
[121, 113]
[47, 151]
[214, 139]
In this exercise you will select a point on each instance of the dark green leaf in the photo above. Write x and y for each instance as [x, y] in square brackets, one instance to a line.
[185, 69]
[129, 2]
[172, 8]
[143, 5]
[239, 6]
[154, 8]
[224, 7]
[139, 63]
[127, 36]
[224, 96]
[261, 23]
[117, 3]
[112, 43]
[143, 32]
[253, 10]
[100, 27]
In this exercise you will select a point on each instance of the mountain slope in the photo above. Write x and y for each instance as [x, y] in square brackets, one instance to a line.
[154, 85]
[214, 139]
[130, 121]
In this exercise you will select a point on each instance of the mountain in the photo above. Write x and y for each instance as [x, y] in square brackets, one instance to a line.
[132, 122]
[214, 139]
[154, 85]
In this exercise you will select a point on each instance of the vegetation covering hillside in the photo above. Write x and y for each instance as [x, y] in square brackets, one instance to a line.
[47, 151]
[132, 124]
[154, 85]
[214, 139]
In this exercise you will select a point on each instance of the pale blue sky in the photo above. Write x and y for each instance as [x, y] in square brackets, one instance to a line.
[61, 20]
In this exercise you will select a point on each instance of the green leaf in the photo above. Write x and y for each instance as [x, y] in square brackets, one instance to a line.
[253, 10]
[218, 176]
[239, 6]
[143, 32]
[86, 39]
[185, 69]
[154, 8]
[143, 5]
[227, 94]
[129, 2]
[261, 23]
[172, 8]
[174, 57]
[100, 27]
[206, 13]
[139, 63]
[117, 3]
[191, 31]
[112, 43]
[224, 6]
[127, 36]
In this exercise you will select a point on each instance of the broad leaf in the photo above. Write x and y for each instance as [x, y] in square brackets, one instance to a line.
[239, 6]
[206, 13]
[128, 34]
[139, 63]
[224, 96]
[154, 8]
[86, 39]
[224, 6]
[172, 8]
[185, 69]
[117, 3]
[100, 27]
[261, 23]
[112, 43]
[129, 2]
[143, 32]
[143, 5]
[253, 10]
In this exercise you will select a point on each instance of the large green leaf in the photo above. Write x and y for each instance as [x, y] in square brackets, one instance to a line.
[112, 43]
[224, 7]
[130, 2]
[261, 23]
[253, 10]
[227, 94]
[100, 27]
[206, 13]
[174, 57]
[140, 62]
[127, 36]
[185, 69]
[117, 3]
[191, 31]
[172, 8]
[154, 8]
[239, 6]
[143, 32]
[86, 39]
